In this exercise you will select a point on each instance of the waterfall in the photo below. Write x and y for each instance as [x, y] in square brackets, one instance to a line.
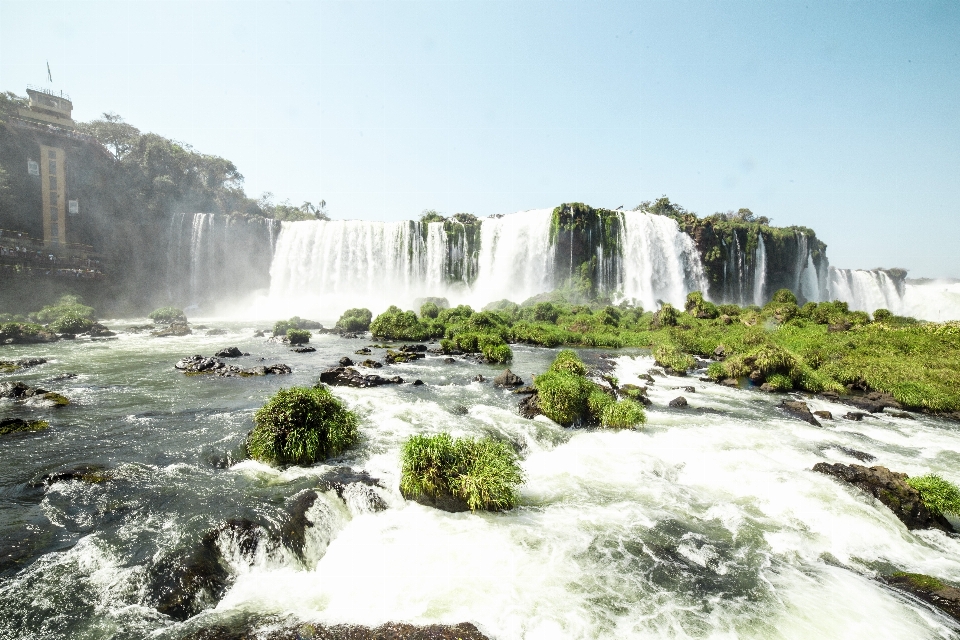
[213, 258]
[866, 290]
[760, 273]
[516, 259]
[660, 262]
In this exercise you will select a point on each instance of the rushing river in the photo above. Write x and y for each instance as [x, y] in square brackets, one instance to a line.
[708, 523]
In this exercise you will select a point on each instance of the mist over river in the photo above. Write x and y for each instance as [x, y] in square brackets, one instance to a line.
[707, 523]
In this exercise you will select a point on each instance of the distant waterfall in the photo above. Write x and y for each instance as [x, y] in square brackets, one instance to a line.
[215, 257]
[760, 273]
[516, 259]
[865, 290]
[660, 263]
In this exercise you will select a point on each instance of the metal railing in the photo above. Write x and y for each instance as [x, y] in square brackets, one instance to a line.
[49, 92]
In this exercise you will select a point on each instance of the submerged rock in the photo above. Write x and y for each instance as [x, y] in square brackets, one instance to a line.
[872, 402]
[856, 416]
[15, 425]
[21, 392]
[891, 489]
[303, 350]
[929, 589]
[92, 473]
[173, 329]
[826, 415]
[9, 366]
[181, 585]
[508, 379]
[349, 377]
[799, 410]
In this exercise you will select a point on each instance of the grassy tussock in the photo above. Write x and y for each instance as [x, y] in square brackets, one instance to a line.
[939, 496]
[302, 425]
[483, 473]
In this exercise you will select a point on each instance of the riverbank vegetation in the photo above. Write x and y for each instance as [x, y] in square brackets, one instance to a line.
[483, 474]
[816, 347]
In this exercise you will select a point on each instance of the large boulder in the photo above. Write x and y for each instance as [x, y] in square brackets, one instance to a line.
[198, 364]
[891, 489]
[529, 407]
[229, 352]
[508, 379]
[350, 377]
[799, 410]
[872, 402]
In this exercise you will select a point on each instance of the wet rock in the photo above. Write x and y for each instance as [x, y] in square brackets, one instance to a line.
[856, 416]
[670, 371]
[720, 352]
[678, 403]
[479, 378]
[418, 382]
[20, 333]
[17, 425]
[397, 357]
[351, 485]
[92, 473]
[831, 395]
[177, 329]
[826, 415]
[371, 364]
[445, 501]
[181, 585]
[303, 350]
[508, 379]
[258, 334]
[646, 377]
[527, 389]
[21, 392]
[449, 360]
[229, 352]
[293, 532]
[891, 489]
[730, 382]
[413, 348]
[249, 630]
[529, 407]
[197, 364]
[872, 402]
[362, 352]
[839, 327]
[459, 410]
[929, 589]
[863, 456]
[348, 377]
[216, 332]
[688, 389]
[9, 366]
[635, 392]
[799, 410]
[900, 414]
[347, 362]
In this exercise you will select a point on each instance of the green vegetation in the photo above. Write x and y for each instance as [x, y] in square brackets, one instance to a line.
[302, 425]
[939, 496]
[15, 332]
[482, 473]
[167, 315]
[67, 307]
[19, 426]
[567, 397]
[298, 336]
[814, 348]
[920, 581]
[280, 327]
[354, 320]
[71, 323]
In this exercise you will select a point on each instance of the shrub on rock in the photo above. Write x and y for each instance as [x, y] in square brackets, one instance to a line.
[938, 495]
[168, 315]
[354, 320]
[298, 336]
[670, 356]
[568, 361]
[66, 305]
[456, 475]
[302, 425]
[397, 324]
[623, 414]
[71, 322]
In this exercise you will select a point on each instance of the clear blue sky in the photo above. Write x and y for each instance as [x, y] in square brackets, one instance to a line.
[841, 116]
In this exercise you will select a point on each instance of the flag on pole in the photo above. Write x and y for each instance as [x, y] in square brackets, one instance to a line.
[49, 75]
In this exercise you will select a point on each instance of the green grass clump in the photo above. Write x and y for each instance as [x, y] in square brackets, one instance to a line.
[670, 356]
[302, 425]
[939, 496]
[569, 362]
[167, 315]
[354, 320]
[598, 401]
[396, 324]
[779, 382]
[71, 322]
[623, 414]
[66, 306]
[496, 351]
[563, 396]
[298, 336]
[716, 372]
[482, 473]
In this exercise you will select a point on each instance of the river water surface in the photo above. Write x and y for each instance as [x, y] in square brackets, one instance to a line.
[708, 523]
